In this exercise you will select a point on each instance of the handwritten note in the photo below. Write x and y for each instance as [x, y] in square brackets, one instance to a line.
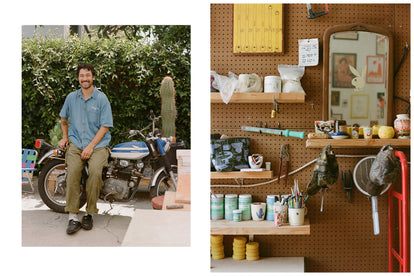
[308, 52]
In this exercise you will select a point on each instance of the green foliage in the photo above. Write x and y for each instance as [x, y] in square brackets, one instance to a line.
[168, 110]
[55, 134]
[127, 71]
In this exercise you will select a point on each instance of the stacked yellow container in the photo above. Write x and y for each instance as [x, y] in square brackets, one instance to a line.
[217, 247]
[252, 251]
[239, 248]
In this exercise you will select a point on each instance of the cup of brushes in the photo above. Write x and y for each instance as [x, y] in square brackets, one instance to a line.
[296, 206]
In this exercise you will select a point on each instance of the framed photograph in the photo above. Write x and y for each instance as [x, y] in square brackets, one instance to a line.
[346, 35]
[335, 98]
[359, 106]
[375, 69]
[341, 74]
[381, 45]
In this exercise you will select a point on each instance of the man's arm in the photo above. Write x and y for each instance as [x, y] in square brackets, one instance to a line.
[64, 125]
[87, 152]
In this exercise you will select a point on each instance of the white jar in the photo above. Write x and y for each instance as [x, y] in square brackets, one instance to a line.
[272, 84]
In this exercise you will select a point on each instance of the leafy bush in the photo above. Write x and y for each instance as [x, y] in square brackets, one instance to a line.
[128, 72]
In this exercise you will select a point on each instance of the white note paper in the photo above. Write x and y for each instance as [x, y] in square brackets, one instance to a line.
[308, 52]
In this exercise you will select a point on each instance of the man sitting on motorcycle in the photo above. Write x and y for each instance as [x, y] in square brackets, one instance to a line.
[86, 140]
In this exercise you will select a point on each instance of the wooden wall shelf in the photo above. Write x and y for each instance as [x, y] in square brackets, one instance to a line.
[241, 175]
[358, 143]
[260, 97]
[250, 227]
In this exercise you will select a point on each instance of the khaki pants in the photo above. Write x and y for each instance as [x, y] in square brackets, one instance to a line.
[97, 161]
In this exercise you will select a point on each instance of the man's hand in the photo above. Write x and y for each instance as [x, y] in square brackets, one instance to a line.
[63, 143]
[86, 153]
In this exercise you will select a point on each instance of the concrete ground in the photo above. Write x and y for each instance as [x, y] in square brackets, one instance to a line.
[44, 227]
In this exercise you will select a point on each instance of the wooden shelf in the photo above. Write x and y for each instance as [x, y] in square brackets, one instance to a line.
[241, 175]
[260, 97]
[250, 227]
[357, 143]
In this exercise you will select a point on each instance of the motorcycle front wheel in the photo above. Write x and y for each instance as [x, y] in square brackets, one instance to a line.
[162, 184]
[52, 186]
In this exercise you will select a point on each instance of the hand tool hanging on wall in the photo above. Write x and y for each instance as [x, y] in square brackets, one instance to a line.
[313, 15]
[275, 108]
[348, 184]
[287, 133]
[283, 154]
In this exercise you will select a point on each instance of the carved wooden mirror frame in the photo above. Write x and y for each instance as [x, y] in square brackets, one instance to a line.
[327, 61]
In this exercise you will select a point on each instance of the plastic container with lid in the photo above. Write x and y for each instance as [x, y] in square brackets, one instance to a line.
[217, 206]
[245, 200]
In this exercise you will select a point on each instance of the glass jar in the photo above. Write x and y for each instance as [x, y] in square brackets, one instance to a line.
[402, 126]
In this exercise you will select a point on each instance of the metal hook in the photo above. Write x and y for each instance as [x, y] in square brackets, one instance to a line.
[237, 182]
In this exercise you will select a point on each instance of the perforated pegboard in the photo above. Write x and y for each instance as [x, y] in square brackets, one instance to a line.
[341, 238]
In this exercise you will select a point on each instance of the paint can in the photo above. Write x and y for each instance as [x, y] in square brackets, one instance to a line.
[217, 206]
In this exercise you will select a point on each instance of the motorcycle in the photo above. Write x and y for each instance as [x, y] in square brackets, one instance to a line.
[128, 164]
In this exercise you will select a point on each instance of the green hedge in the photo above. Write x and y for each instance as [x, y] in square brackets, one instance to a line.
[128, 72]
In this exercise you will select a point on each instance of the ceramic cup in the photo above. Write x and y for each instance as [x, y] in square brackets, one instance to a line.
[255, 161]
[367, 132]
[297, 216]
[282, 209]
[355, 132]
[258, 210]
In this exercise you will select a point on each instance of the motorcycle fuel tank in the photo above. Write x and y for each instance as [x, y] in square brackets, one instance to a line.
[130, 150]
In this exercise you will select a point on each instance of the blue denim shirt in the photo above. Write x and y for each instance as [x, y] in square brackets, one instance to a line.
[87, 117]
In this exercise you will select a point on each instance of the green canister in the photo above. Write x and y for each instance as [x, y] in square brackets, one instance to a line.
[230, 204]
[245, 201]
[217, 206]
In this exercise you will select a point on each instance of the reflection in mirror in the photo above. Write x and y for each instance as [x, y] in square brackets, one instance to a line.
[358, 75]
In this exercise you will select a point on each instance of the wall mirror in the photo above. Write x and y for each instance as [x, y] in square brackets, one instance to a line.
[358, 74]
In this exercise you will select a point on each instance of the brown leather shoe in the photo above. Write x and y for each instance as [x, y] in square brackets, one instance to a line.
[87, 222]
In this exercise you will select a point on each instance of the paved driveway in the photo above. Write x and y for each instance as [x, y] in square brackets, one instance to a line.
[43, 227]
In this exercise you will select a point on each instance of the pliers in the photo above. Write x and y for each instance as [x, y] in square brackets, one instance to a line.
[348, 183]
[283, 153]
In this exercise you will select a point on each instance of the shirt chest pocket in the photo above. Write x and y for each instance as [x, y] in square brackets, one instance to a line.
[93, 114]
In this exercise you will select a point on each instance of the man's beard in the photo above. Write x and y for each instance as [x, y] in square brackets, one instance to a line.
[86, 84]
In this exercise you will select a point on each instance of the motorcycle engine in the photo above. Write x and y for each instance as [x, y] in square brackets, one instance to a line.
[116, 188]
[118, 180]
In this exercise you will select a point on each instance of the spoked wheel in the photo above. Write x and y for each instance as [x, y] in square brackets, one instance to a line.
[52, 186]
[163, 184]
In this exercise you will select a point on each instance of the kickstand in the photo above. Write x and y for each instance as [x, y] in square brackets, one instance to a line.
[110, 204]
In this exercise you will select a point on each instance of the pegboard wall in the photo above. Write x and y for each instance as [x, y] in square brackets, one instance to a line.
[341, 238]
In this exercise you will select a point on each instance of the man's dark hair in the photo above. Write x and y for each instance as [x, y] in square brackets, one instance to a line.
[87, 66]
